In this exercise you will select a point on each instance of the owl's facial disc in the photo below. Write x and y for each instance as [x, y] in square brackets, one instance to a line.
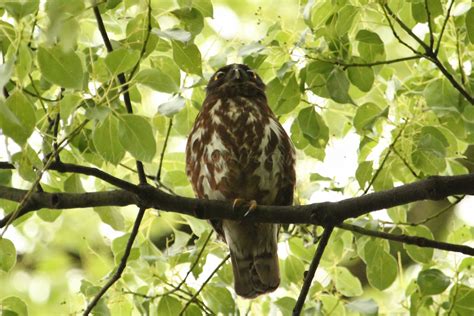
[235, 79]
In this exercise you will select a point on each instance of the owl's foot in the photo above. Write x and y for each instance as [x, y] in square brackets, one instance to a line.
[252, 205]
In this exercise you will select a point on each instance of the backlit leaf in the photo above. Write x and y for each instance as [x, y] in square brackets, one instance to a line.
[136, 136]
[60, 67]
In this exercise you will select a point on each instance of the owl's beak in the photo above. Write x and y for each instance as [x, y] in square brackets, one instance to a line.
[237, 74]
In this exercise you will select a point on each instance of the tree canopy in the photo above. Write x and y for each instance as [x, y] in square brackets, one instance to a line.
[97, 98]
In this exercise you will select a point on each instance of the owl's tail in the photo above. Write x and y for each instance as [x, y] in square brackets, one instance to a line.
[257, 275]
[253, 251]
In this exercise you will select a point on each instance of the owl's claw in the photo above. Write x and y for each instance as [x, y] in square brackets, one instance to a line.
[252, 205]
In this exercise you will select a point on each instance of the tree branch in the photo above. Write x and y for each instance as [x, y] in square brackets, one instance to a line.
[324, 214]
[411, 240]
[123, 82]
[204, 284]
[309, 275]
[444, 27]
[123, 263]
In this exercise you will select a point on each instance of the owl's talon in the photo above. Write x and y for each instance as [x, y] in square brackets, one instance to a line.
[252, 205]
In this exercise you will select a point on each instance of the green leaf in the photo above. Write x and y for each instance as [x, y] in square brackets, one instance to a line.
[346, 283]
[313, 127]
[60, 67]
[440, 94]
[157, 80]
[430, 152]
[461, 300]
[345, 18]
[338, 86]
[174, 34]
[432, 282]
[68, 104]
[13, 306]
[293, 269]
[172, 107]
[419, 10]
[364, 307]
[169, 305]
[121, 60]
[205, 6]
[191, 18]
[111, 216]
[419, 254]
[470, 25]
[361, 77]
[283, 96]
[219, 299]
[24, 62]
[364, 173]
[317, 74]
[17, 117]
[136, 136]
[285, 304]
[307, 118]
[184, 120]
[381, 266]
[366, 115]
[20, 9]
[370, 46]
[187, 57]
[106, 141]
[7, 254]
[118, 248]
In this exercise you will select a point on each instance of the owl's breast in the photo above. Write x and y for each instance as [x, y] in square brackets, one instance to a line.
[233, 152]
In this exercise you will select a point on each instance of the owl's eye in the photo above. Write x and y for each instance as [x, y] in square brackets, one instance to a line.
[252, 73]
[219, 75]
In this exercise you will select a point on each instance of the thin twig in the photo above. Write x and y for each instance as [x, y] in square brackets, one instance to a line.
[390, 148]
[411, 240]
[444, 27]
[122, 80]
[123, 263]
[145, 42]
[162, 156]
[394, 32]
[430, 27]
[375, 63]
[407, 29]
[309, 275]
[191, 268]
[204, 284]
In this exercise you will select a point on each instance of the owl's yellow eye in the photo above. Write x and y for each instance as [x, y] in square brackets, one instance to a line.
[218, 75]
[253, 74]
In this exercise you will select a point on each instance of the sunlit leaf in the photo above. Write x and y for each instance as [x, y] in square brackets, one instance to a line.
[381, 266]
[7, 254]
[419, 254]
[136, 136]
[17, 117]
[60, 67]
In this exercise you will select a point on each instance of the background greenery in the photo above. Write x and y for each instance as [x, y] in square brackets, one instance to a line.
[360, 122]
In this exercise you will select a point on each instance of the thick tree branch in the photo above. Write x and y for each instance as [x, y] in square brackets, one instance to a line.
[89, 171]
[309, 275]
[324, 214]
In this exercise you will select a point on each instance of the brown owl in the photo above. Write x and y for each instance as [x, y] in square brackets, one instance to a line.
[237, 150]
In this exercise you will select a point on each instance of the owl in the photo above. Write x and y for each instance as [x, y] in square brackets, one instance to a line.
[238, 151]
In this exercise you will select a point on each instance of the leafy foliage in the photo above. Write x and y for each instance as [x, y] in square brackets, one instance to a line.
[337, 72]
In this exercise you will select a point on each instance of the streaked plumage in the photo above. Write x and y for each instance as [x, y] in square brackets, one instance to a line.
[237, 149]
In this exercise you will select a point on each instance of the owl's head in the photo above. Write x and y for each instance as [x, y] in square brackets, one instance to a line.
[235, 79]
